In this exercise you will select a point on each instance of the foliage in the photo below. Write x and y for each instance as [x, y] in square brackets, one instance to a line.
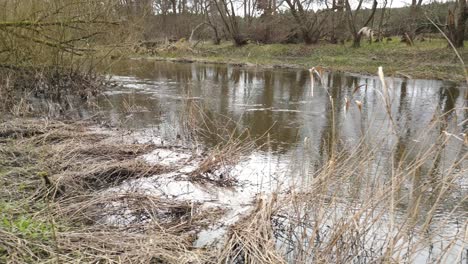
[51, 32]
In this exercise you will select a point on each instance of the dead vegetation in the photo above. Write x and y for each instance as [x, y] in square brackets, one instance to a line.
[252, 239]
[232, 145]
[58, 177]
[62, 203]
[52, 91]
[154, 48]
[216, 166]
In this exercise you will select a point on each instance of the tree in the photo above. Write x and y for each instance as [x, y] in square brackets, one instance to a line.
[337, 21]
[308, 21]
[411, 27]
[381, 21]
[352, 21]
[48, 32]
[210, 21]
[456, 21]
[268, 7]
[228, 17]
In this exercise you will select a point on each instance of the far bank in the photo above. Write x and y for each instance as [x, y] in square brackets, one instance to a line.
[429, 59]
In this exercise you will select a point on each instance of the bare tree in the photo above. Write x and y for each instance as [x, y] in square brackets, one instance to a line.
[268, 7]
[250, 6]
[411, 27]
[352, 21]
[216, 37]
[208, 22]
[381, 21]
[308, 21]
[456, 21]
[228, 17]
[337, 21]
[50, 29]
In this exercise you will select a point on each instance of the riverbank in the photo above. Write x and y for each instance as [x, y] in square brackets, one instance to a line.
[61, 200]
[431, 59]
[76, 192]
[87, 191]
[72, 193]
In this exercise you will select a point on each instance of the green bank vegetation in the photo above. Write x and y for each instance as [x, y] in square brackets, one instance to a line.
[431, 59]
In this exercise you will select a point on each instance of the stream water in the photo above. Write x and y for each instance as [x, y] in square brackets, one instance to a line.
[297, 127]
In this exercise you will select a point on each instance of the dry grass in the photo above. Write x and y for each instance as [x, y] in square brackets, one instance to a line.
[252, 239]
[50, 91]
[58, 205]
[232, 145]
[348, 211]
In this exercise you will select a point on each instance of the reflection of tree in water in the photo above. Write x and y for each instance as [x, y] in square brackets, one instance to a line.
[401, 152]
[221, 73]
[224, 95]
[208, 126]
[235, 75]
[403, 122]
[276, 88]
[224, 88]
[464, 129]
[296, 91]
[329, 139]
[351, 82]
[201, 72]
[219, 115]
[447, 99]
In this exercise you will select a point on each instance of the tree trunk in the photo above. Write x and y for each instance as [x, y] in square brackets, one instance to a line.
[352, 20]
[456, 24]
[228, 17]
[195, 29]
[460, 24]
[357, 41]
[300, 17]
[174, 6]
[212, 24]
[382, 17]
[216, 38]
[338, 27]
[411, 24]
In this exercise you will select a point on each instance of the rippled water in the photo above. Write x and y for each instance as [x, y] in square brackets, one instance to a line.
[278, 101]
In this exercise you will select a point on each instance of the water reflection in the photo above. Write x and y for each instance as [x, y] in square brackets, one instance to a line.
[277, 102]
[277, 108]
